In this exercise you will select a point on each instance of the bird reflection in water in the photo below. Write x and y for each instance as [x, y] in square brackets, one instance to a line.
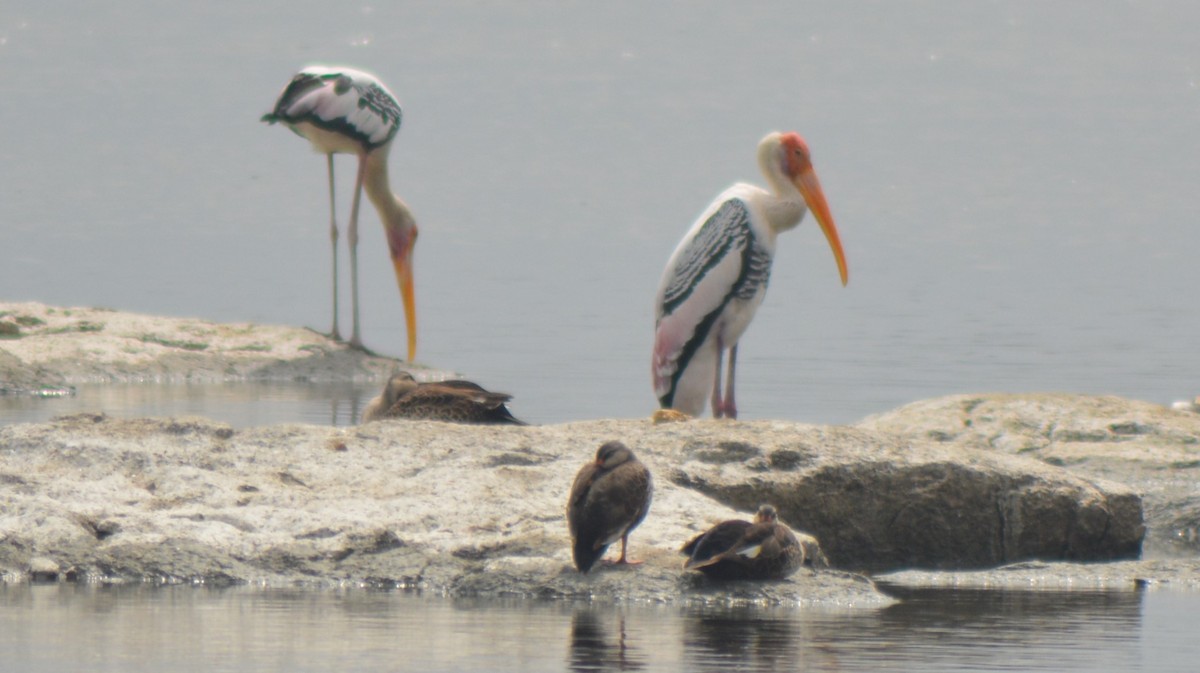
[593, 649]
[346, 404]
[738, 639]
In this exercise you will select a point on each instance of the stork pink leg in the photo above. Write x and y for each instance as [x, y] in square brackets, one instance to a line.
[352, 242]
[729, 406]
[717, 407]
[334, 333]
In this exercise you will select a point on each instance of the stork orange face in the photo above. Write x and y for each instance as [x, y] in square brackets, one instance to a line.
[800, 170]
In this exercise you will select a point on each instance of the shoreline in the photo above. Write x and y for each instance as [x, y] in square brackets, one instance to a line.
[477, 510]
[46, 347]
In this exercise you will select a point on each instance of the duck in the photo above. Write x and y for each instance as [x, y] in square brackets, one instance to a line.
[456, 401]
[609, 498]
[764, 549]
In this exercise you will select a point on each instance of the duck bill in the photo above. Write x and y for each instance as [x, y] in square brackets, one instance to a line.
[404, 278]
[810, 188]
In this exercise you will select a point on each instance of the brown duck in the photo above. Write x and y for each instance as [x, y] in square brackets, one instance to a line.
[764, 549]
[454, 401]
[610, 497]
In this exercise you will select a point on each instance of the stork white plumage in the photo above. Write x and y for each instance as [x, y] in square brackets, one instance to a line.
[717, 276]
[347, 111]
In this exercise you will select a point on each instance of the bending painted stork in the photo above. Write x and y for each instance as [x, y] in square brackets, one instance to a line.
[717, 276]
[341, 110]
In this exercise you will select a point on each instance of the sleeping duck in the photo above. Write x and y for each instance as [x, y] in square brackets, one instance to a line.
[454, 401]
[764, 549]
[609, 498]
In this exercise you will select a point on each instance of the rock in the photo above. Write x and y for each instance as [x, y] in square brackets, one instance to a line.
[878, 502]
[52, 346]
[1038, 575]
[967, 481]
[42, 569]
[455, 509]
[1148, 447]
[465, 509]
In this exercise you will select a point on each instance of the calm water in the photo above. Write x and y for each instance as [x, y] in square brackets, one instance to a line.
[1014, 182]
[132, 629]
[241, 405]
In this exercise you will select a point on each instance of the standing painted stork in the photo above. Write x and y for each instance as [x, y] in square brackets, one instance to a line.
[718, 275]
[341, 110]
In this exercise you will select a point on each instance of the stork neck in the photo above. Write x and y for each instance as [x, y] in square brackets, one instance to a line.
[392, 209]
[783, 187]
[787, 207]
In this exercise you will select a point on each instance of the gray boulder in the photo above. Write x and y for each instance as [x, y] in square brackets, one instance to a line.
[879, 501]
[454, 509]
[469, 509]
[964, 481]
[51, 347]
[1150, 448]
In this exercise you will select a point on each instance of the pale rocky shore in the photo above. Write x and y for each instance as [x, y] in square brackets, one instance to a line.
[993, 490]
[45, 347]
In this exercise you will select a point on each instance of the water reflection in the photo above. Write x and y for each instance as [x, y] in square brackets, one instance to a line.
[1031, 613]
[140, 628]
[741, 639]
[1028, 630]
[239, 404]
[595, 648]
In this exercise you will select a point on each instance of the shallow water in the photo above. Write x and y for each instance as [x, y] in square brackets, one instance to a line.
[47, 628]
[242, 405]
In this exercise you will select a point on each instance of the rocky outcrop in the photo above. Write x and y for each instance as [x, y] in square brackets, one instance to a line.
[877, 501]
[44, 347]
[963, 482]
[1152, 449]
[448, 508]
[468, 509]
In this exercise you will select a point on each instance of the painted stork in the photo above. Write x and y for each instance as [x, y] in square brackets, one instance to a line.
[346, 111]
[717, 276]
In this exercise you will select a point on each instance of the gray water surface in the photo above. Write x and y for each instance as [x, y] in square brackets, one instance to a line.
[242, 405]
[1014, 183]
[137, 628]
